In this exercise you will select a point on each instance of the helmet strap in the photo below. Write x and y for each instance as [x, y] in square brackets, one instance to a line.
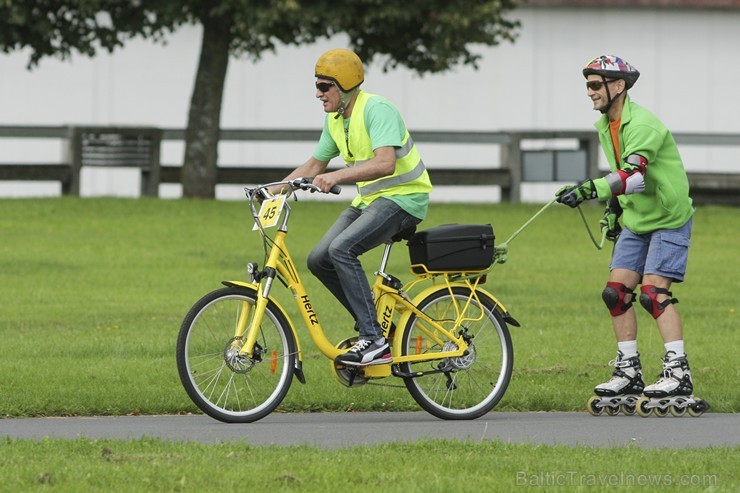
[344, 100]
[606, 108]
[609, 97]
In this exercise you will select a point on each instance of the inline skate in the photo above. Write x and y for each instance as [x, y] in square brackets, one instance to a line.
[622, 391]
[673, 392]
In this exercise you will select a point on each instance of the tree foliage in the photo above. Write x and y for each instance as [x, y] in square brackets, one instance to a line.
[59, 28]
[426, 36]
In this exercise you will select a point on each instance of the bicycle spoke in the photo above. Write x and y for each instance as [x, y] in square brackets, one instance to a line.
[223, 382]
[473, 383]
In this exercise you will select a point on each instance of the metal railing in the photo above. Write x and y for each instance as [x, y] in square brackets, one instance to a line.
[140, 147]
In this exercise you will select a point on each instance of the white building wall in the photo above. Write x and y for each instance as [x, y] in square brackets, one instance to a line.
[688, 60]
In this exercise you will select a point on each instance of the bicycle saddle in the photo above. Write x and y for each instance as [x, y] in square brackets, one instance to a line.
[404, 234]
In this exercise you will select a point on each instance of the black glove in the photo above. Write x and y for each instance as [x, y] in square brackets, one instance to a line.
[572, 196]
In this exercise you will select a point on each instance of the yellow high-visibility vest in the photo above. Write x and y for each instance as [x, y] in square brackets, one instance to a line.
[355, 147]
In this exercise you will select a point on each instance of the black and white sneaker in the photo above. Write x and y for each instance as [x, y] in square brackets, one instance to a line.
[366, 352]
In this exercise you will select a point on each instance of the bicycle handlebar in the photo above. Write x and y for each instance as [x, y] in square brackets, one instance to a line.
[295, 184]
[307, 184]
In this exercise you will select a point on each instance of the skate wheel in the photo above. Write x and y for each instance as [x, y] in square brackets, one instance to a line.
[628, 409]
[641, 407]
[611, 411]
[592, 406]
[661, 411]
[699, 408]
[678, 411]
[679, 407]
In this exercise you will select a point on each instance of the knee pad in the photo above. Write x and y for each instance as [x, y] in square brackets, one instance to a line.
[648, 299]
[614, 296]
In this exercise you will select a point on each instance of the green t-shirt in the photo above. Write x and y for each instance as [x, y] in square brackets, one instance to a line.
[386, 129]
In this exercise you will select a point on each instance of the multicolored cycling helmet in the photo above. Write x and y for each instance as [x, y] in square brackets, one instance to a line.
[612, 67]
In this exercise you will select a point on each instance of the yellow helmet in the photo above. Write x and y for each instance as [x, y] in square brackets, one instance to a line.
[343, 67]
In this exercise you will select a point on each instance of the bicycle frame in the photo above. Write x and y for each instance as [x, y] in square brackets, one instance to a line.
[280, 262]
[238, 349]
[390, 300]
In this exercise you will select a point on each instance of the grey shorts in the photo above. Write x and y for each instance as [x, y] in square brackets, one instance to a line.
[664, 252]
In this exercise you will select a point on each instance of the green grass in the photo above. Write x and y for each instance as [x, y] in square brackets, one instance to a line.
[94, 290]
[154, 465]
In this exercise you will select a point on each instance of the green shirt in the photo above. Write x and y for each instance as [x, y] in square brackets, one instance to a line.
[665, 203]
[386, 129]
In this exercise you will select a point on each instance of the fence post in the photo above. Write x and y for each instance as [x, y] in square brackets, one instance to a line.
[150, 176]
[593, 147]
[511, 158]
[74, 161]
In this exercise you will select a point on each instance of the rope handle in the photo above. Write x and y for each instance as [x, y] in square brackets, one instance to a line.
[500, 252]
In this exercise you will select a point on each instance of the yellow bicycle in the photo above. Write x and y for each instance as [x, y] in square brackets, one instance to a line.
[238, 350]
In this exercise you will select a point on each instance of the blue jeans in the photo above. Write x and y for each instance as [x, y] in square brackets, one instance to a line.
[334, 260]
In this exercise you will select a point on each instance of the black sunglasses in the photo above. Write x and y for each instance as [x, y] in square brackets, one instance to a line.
[324, 86]
[596, 85]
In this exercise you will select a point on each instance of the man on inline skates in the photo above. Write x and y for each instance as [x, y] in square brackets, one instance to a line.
[393, 185]
[649, 188]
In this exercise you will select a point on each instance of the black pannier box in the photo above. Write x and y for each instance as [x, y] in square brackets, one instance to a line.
[452, 247]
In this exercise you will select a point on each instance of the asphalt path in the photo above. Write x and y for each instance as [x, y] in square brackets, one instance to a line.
[335, 430]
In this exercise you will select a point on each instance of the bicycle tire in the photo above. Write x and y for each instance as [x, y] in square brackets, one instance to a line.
[467, 387]
[226, 387]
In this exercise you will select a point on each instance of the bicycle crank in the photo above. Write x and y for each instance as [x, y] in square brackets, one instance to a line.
[348, 376]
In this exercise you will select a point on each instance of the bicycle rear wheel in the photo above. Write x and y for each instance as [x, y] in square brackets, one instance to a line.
[466, 387]
[224, 384]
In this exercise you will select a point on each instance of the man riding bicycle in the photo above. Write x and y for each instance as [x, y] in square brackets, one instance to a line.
[393, 191]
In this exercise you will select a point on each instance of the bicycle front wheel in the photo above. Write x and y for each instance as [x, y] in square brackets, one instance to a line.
[465, 387]
[224, 384]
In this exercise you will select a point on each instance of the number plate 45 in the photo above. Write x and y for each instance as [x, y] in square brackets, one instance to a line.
[270, 212]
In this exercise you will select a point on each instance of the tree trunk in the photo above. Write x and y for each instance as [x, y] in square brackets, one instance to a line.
[199, 170]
